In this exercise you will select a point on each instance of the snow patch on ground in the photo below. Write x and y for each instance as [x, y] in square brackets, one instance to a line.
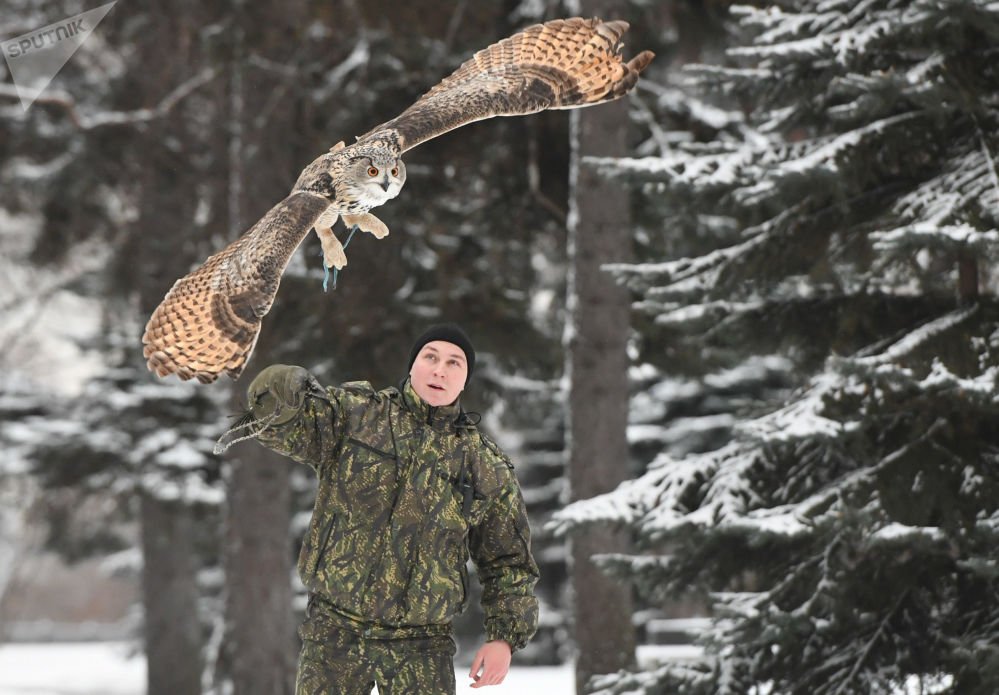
[114, 668]
[101, 668]
[118, 668]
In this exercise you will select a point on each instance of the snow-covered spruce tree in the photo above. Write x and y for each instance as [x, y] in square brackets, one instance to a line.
[846, 534]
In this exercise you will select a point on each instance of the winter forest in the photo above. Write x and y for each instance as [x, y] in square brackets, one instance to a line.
[738, 332]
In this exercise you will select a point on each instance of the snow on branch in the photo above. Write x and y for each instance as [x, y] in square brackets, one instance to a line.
[702, 490]
[629, 502]
[785, 26]
[706, 314]
[846, 32]
[802, 419]
[952, 238]
[793, 51]
[967, 188]
[796, 37]
[822, 157]
[190, 489]
[84, 122]
[942, 379]
[334, 79]
[660, 679]
[678, 169]
[896, 535]
[724, 79]
[916, 338]
[682, 274]
[682, 103]
[757, 172]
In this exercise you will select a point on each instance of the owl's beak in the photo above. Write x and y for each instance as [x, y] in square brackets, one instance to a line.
[385, 184]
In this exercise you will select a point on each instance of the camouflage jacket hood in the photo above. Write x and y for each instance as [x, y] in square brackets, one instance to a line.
[407, 493]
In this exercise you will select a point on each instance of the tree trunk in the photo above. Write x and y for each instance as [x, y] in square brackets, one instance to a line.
[259, 654]
[599, 232]
[967, 279]
[173, 628]
[170, 597]
[261, 647]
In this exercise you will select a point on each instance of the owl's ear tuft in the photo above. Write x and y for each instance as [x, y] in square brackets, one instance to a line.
[337, 147]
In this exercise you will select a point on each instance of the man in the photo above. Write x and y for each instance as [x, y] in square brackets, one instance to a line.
[408, 489]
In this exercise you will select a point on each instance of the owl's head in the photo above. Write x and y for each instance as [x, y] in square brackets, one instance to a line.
[373, 176]
[356, 178]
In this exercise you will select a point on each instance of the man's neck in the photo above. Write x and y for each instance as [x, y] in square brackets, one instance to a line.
[430, 414]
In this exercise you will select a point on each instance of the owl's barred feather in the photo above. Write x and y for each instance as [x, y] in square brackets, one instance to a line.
[209, 321]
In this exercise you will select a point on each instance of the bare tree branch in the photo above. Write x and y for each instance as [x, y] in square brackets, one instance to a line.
[85, 122]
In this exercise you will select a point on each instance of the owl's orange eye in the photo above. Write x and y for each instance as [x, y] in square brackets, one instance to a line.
[372, 171]
[395, 171]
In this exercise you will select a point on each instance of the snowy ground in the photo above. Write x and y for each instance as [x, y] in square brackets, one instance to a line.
[83, 668]
[110, 668]
[114, 668]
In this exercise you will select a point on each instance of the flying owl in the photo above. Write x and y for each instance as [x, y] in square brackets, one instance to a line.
[209, 321]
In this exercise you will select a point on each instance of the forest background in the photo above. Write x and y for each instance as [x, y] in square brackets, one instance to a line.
[789, 231]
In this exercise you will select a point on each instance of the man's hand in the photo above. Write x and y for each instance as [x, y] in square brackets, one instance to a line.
[493, 659]
[279, 391]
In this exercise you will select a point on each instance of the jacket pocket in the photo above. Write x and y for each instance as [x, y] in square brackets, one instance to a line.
[368, 476]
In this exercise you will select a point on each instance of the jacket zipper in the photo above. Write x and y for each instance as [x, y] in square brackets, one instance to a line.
[372, 575]
[322, 546]
[415, 457]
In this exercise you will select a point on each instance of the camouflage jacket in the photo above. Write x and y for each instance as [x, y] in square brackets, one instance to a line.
[407, 492]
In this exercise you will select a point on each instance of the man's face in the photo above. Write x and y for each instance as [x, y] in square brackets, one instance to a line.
[439, 372]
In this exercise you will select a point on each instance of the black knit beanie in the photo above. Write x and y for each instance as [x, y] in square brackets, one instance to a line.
[448, 332]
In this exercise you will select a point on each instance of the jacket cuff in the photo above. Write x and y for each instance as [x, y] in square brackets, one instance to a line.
[498, 628]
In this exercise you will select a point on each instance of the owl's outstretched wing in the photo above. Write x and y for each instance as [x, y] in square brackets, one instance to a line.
[209, 321]
[562, 64]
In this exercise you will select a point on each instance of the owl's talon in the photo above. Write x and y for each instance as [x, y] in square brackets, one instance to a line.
[367, 223]
[336, 268]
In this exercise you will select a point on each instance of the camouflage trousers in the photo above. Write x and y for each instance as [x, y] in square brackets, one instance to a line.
[345, 663]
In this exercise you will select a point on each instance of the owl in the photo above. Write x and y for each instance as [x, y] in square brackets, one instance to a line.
[209, 321]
